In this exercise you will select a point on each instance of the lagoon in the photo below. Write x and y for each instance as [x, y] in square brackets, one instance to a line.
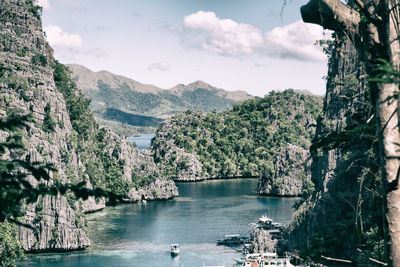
[141, 234]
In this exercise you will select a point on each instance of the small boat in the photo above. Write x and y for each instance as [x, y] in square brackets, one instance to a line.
[266, 259]
[265, 220]
[175, 250]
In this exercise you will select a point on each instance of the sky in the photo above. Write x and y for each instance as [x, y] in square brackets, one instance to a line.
[231, 44]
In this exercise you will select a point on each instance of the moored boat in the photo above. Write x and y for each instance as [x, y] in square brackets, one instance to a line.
[266, 259]
[265, 220]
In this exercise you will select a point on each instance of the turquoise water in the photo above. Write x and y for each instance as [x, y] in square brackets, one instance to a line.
[141, 234]
[143, 141]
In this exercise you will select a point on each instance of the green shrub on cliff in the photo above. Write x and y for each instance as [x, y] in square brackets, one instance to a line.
[80, 115]
[48, 122]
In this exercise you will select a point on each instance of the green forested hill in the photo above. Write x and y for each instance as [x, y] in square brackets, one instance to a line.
[118, 100]
[240, 142]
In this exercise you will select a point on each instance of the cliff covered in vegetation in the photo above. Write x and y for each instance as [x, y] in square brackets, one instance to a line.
[244, 141]
[343, 217]
[62, 132]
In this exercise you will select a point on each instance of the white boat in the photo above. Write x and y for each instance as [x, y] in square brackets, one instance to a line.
[266, 259]
[175, 250]
[265, 220]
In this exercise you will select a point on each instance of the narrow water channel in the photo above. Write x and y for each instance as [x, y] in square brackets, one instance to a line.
[141, 234]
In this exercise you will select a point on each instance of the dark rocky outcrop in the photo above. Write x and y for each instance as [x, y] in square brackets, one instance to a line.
[28, 86]
[345, 211]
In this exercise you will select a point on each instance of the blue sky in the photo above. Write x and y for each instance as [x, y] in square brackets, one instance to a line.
[231, 44]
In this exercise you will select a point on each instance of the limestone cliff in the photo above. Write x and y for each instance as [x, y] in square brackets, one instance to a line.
[344, 214]
[291, 173]
[63, 132]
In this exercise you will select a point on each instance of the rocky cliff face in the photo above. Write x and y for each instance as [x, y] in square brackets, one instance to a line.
[345, 211]
[291, 173]
[30, 83]
[181, 165]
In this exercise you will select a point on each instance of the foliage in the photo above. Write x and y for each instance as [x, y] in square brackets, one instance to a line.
[48, 122]
[39, 59]
[113, 168]
[10, 247]
[35, 9]
[139, 180]
[243, 140]
[77, 105]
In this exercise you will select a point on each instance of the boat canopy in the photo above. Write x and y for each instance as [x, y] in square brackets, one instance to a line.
[265, 219]
[232, 235]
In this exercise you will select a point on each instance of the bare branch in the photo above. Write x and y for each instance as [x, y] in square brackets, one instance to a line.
[333, 15]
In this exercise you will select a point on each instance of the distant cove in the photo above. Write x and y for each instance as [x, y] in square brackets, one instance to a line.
[142, 141]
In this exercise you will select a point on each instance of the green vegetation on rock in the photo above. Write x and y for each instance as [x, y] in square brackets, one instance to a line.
[77, 105]
[240, 142]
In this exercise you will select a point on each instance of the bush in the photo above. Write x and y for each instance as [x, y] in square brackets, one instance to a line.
[48, 122]
[39, 59]
[10, 247]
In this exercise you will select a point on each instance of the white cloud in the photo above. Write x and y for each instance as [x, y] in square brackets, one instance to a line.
[160, 66]
[44, 4]
[62, 40]
[205, 31]
[296, 41]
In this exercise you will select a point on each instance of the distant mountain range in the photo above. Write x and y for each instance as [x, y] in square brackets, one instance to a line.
[128, 106]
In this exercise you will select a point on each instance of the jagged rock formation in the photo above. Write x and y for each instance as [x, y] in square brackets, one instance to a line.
[63, 132]
[180, 165]
[291, 173]
[266, 137]
[128, 106]
[345, 211]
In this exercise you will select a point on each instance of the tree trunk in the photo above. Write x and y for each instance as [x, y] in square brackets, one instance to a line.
[389, 138]
[387, 109]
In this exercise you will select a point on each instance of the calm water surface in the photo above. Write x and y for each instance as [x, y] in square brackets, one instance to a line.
[141, 234]
[143, 141]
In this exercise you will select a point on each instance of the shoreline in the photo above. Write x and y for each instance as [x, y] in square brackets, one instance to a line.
[215, 178]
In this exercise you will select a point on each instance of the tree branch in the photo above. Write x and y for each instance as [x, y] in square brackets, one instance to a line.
[333, 15]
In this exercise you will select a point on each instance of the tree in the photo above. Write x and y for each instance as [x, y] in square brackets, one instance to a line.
[373, 27]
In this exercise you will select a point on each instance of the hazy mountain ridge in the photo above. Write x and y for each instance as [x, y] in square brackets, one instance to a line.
[115, 92]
